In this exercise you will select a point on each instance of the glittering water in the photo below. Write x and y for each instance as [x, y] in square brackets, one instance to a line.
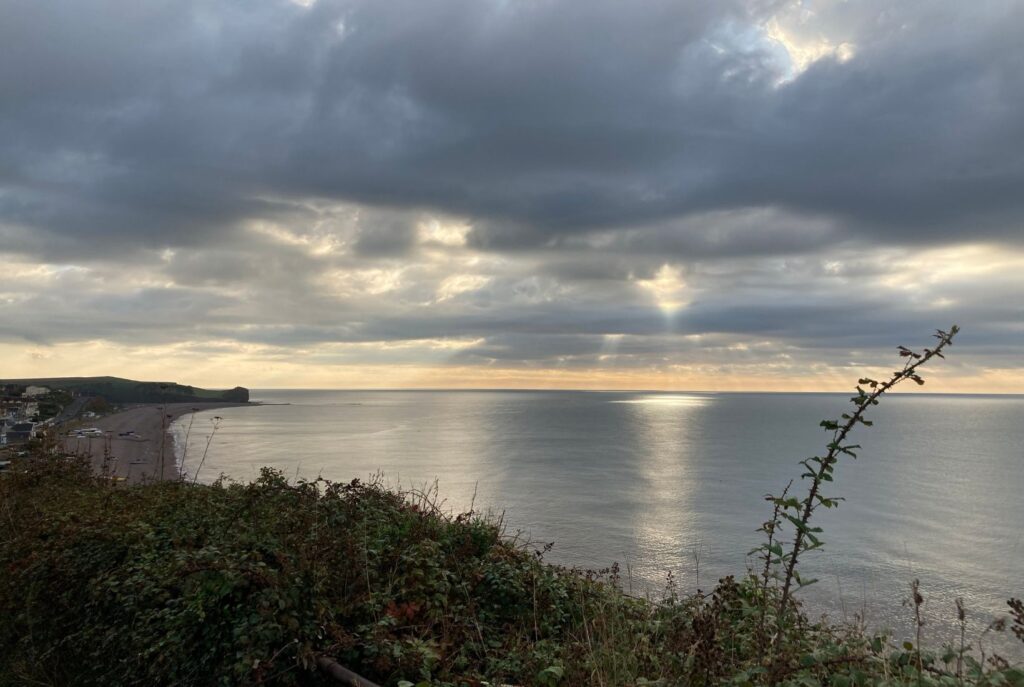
[662, 482]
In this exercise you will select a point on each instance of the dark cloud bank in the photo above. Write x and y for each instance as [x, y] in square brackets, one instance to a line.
[264, 172]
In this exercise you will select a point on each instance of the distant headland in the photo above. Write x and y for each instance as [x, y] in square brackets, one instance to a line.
[120, 391]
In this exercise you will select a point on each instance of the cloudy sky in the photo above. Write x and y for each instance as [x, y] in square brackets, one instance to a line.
[511, 193]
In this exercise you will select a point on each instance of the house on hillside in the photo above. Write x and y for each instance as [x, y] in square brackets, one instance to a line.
[18, 433]
[10, 408]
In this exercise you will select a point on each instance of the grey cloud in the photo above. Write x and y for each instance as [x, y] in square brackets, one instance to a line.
[394, 236]
[144, 317]
[162, 122]
[585, 144]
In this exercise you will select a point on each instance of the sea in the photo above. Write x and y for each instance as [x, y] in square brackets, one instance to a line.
[675, 484]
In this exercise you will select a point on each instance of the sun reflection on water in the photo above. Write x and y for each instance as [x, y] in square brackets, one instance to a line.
[668, 400]
[664, 527]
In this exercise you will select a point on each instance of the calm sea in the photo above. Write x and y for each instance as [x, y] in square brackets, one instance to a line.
[665, 482]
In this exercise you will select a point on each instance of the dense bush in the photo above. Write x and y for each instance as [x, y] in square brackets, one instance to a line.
[228, 584]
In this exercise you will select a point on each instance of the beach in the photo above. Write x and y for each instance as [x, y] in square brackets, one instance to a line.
[136, 443]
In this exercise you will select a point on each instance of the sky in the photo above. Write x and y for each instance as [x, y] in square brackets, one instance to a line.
[594, 194]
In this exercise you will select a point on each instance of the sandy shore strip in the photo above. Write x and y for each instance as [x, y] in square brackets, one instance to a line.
[140, 455]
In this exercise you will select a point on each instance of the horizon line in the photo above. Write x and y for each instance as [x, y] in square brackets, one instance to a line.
[908, 391]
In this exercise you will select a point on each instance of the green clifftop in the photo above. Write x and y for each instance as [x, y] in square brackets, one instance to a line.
[118, 390]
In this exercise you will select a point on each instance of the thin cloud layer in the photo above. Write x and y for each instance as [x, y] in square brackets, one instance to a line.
[693, 190]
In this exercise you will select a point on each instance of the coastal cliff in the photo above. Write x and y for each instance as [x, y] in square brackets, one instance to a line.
[119, 390]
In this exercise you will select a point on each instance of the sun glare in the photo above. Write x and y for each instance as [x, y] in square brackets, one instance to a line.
[667, 287]
[680, 400]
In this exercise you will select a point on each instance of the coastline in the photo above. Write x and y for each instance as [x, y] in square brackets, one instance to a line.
[149, 453]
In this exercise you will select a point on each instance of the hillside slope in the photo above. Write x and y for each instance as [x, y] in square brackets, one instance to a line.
[118, 390]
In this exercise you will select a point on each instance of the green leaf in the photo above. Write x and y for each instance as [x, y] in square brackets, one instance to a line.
[550, 675]
[796, 522]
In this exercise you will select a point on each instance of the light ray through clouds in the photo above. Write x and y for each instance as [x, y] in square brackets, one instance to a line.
[390, 193]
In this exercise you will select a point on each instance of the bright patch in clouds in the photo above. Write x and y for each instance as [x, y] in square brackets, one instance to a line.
[460, 283]
[445, 233]
[667, 287]
[803, 48]
[349, 284]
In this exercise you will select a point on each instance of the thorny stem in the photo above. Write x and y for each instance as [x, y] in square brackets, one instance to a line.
[962, 617]
[163, 439]
[184, 452]
[209, 440]
[917, 599]
[771, 526]
[863, 402]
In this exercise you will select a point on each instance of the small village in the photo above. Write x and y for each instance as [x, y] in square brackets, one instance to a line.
[19, 413]
[26, 411]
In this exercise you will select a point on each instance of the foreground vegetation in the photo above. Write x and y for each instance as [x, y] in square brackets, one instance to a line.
[178, 584]
[171, 583]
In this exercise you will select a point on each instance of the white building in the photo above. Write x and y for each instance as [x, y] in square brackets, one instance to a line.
[36, 391]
